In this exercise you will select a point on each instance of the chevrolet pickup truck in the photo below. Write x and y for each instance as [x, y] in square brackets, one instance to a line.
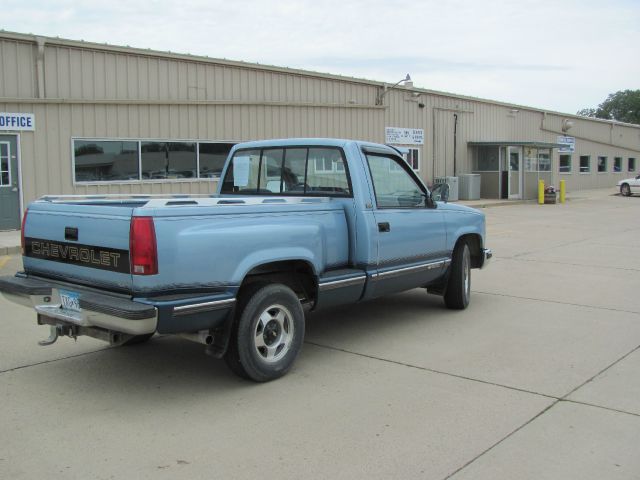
[296, 225]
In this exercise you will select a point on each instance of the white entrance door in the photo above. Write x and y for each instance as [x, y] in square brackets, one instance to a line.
[514, 157]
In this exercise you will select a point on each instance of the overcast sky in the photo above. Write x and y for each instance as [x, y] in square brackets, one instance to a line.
[561, 55]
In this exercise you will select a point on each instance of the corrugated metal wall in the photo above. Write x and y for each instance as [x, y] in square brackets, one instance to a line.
[109, 92]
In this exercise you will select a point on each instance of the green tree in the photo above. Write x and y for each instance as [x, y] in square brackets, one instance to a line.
[623, 106]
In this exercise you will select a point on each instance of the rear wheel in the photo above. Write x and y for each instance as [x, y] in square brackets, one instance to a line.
[458, 291]
[625, 190]
[268, 333]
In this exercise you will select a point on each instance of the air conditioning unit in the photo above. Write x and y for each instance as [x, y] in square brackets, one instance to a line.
[453, 186]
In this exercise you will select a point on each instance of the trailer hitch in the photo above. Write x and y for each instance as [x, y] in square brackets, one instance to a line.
[56, 331]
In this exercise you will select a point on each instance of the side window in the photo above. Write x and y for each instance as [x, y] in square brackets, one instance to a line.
[394, 187]
[326, 174]
[242, 174]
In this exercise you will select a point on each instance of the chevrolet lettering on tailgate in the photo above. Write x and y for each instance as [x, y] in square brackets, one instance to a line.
[84, 255]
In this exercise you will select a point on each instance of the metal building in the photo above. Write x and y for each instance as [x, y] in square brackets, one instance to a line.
[86, 118]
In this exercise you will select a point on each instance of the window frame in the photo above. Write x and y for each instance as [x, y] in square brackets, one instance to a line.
[139, 142]
[588, 157]
[568, 172]
[8, 171]
[404, 166]
[606, 164]
[306, 172]
[619, 165]
[416, 156]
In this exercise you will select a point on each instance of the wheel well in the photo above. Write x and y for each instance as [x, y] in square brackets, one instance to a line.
[298, 275]
[475, 248]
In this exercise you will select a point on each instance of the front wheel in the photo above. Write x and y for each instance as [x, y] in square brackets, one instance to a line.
[458, 290]
[268, 333]
[625, 190]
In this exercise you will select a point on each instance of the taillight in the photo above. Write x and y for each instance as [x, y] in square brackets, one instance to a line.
[143, 252]
[24, 224]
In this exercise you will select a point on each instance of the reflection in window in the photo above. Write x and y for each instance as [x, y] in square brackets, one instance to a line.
[212, 158]
[393, 191]
[602, 164]
[168, 160]
[585, 164]
[631, 165]
[105, 160]
[5, 177]
[617, 164]
[544, 160]
[487, 159]
[290, 171]
[565, 163]
[329, 179]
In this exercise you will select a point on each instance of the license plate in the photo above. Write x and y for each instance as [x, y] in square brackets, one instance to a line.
[70, 301]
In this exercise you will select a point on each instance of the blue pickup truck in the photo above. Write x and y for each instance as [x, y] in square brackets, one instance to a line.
[296, 225]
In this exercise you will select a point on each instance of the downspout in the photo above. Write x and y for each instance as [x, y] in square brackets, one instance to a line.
[40, 66]
[455, 141]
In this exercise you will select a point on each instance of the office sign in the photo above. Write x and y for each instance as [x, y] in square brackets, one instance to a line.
[569, 144]
[17, 121]
[404, 136]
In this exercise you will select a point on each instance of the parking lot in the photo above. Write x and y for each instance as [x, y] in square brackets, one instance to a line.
[537, 379]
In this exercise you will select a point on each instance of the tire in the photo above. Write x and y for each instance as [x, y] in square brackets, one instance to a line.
[625, 190]
[268, 333]
[458, 291]
[138, 339]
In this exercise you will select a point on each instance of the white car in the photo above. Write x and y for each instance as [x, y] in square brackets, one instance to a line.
[629, 186]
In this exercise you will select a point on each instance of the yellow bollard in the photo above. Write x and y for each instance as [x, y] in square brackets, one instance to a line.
[563, 191]
[540, 192]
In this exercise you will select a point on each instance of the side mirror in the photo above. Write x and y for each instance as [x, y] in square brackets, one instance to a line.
[440, 192]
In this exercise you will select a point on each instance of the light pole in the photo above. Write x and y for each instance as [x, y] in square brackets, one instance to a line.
[381, 93]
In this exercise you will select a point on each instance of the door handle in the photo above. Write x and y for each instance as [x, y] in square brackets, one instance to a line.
[384, 227]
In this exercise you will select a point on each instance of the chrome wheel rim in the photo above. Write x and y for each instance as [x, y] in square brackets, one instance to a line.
[273, 334]
[466, 273]
[625, 190]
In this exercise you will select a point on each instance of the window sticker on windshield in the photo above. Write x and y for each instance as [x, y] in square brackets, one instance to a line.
[241, 171]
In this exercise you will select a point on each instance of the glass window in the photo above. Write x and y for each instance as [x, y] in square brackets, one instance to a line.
[412, 157]
[617, 164]
[530, 159]
[105, 160]
[585, 164]
[393, 191]
[331, 179]
[631, 165]
[602, 164]
[294, 171]
[5, 176]
[212, 158]
[242, 174]
[487, 159]
[271, 171]
[168, 160]
[290, 171]
[544, 160]
[565, 163]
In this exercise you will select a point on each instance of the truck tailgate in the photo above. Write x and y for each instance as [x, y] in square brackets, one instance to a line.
[87, 243]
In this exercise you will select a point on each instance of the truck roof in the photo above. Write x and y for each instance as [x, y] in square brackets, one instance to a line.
[309, 142]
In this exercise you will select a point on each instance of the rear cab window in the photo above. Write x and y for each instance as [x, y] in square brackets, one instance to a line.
[296, 171]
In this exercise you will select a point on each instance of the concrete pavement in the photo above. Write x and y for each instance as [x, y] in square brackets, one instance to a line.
[537, 379]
